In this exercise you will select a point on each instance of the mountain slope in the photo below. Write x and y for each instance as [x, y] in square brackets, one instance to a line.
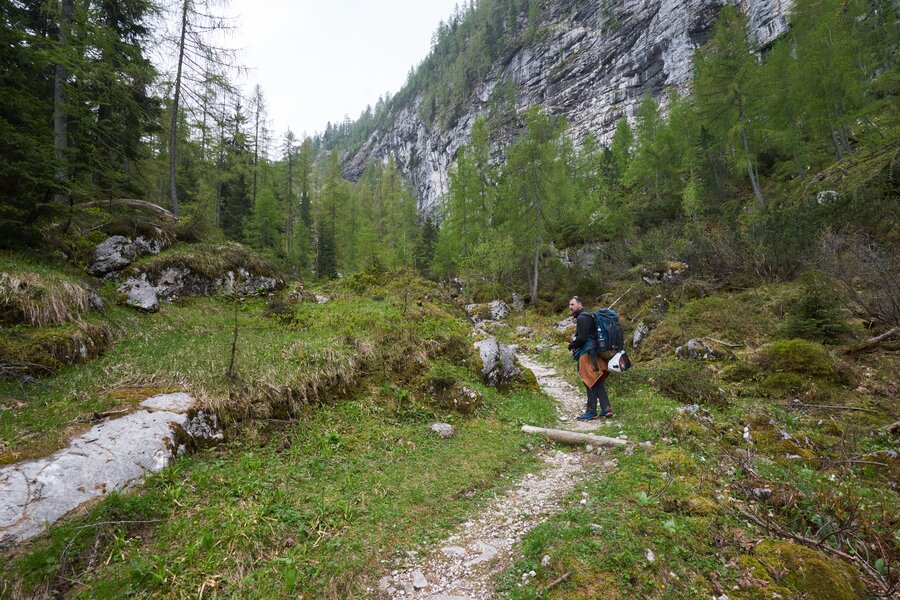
[589, 61]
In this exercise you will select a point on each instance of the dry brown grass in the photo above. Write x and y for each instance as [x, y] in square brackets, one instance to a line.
[41, 299]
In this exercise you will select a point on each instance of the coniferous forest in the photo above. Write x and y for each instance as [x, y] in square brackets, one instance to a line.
[337, 373]
[728, 175]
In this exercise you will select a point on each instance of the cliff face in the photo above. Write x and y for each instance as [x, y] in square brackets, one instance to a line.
[592, 63]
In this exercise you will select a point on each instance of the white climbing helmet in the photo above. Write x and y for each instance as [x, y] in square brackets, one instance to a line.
[619, 363]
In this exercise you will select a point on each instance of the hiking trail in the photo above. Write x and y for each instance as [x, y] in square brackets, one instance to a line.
[465, 564]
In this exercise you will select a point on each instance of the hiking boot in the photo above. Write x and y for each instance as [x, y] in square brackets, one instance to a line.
[587, 416]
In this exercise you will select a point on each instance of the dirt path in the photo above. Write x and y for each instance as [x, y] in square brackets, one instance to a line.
[465, 565]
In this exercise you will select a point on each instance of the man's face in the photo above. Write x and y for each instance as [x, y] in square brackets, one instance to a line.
[574, 306]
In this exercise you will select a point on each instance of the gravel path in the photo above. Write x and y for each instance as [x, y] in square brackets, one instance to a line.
[465, 565]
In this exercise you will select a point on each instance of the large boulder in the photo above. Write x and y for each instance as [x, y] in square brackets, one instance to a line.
[498, 362]
[117, 252]
[139, 293]
[112, 254]
[490, 311]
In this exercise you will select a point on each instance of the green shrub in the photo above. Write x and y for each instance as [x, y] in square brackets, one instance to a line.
[686, 381]
[818, 313]
[796, 356]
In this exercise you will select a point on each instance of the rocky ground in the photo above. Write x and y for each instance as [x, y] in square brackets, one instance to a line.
[465, 564]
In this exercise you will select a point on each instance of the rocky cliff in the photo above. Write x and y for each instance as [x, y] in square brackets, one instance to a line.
[591, 64]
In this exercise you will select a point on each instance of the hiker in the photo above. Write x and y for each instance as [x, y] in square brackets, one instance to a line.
[591, 368]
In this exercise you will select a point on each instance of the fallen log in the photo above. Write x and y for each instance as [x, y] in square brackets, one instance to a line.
[157, 210]
[573, 438]
[873, 341]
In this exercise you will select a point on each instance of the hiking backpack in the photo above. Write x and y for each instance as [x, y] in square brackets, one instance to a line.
[608, 335]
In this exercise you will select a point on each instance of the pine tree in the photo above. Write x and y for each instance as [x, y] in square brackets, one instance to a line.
[729, 95]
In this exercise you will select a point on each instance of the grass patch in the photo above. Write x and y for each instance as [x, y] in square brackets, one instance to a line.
[310, 508]
[284, 366]
[36, 294]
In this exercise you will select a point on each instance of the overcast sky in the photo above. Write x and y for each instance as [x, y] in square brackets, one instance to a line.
[317, 61]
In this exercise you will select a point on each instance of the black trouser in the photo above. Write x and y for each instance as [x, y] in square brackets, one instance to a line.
[598, 392]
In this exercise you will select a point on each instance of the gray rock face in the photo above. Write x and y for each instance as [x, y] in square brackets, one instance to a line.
[117, 252]
[139, 294]
[499, 310]
[499, 362]
[591, 64]
[144, 292]
[114, 455]
[697, 349]
[112, 254]
[640, 332]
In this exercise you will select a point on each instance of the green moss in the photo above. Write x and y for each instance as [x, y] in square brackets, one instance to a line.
[209, 260]
[674, 461]
[43, 350]
[796, 356]
[686, 425]
[747, 318]
[805, 571]
[771, 441]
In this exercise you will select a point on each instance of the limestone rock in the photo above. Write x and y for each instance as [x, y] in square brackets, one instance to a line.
[544, 346]
[592, 64]
[419, 582]
[117, 252]
[499, 310]
[640, 332]
[112, 254]
[498, 362]
[445, 430]
[139, 294]
[697, 349]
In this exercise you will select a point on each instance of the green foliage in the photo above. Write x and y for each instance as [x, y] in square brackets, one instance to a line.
[686, 381]
[818, 314]
[796, 356]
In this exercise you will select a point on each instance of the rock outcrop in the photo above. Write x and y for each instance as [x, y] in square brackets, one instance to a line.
[114, 455]
[144, 292]
[498, 362]
[591, 63]
[117, 252]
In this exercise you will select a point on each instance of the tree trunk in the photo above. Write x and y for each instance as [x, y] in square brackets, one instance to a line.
[751, 171]
[537, 250]
[60, 111]
[173, 127]
[834, 140]
[255, 149]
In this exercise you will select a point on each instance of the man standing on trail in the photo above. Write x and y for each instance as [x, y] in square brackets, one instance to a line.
[591, 368]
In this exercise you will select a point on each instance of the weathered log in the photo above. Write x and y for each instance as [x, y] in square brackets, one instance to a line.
[157, 210]
[573, 438]
[873, 341]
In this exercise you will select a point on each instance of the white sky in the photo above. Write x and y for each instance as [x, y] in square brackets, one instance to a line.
[317, 60]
